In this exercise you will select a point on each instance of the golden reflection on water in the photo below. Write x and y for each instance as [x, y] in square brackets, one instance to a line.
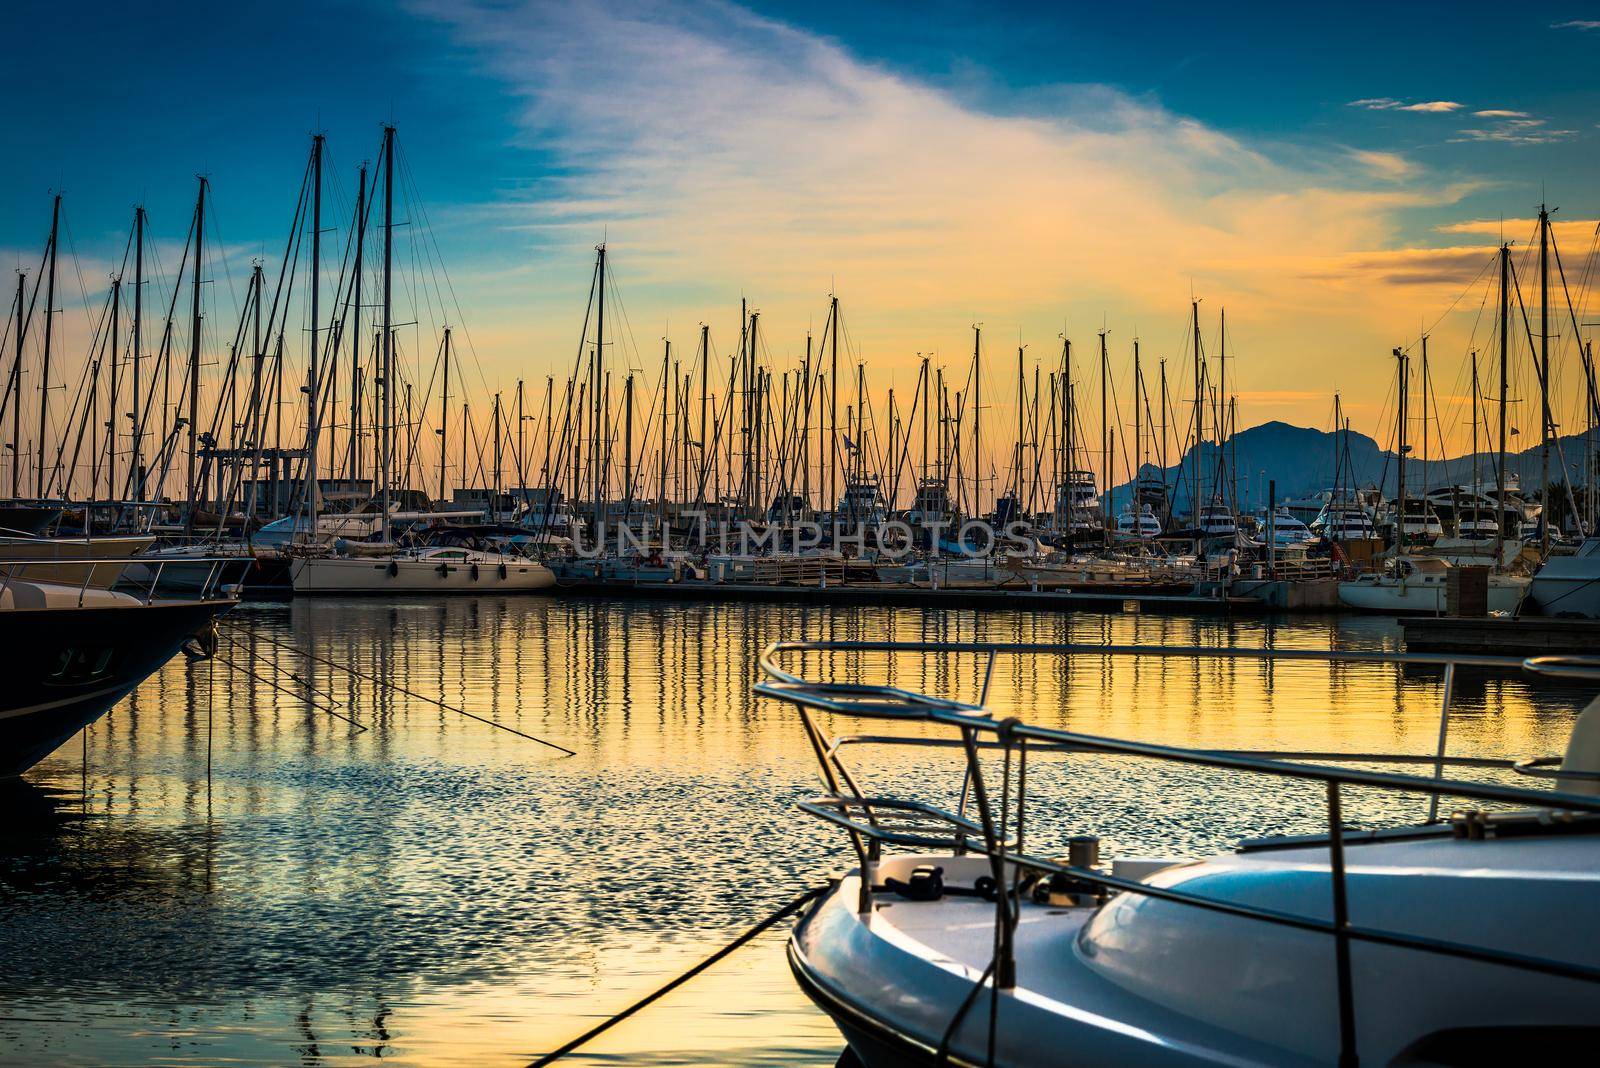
[433, 890]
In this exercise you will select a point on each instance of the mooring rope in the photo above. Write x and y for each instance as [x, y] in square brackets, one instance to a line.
[309, 655]
[611, 1021]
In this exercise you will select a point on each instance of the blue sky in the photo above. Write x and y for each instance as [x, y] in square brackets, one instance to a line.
[939, 163]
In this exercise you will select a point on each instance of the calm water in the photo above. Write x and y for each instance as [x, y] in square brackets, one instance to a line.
[222, 873]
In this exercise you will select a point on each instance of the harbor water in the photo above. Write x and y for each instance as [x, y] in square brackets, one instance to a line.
[227, 870]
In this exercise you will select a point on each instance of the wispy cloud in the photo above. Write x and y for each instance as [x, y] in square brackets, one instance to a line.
[1387, 103]
[1500, 113]
[727, 152]
[1516, 131]
[1389, 165]
[1576, 24]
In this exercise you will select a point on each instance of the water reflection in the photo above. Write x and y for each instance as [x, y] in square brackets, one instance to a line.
[420, 886]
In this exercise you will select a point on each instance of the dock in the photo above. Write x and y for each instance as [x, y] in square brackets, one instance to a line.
[1530, 636]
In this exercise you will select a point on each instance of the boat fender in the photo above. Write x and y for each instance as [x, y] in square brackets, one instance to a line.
[926, 884]
[502, 570]
[444, 570]
[394, 569]
[474, 572]
[202, 644]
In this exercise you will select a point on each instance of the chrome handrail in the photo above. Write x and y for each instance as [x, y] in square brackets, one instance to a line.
[211, 587]
[868, 701]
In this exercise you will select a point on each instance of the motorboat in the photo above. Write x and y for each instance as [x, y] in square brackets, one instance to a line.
[1468, 937]
[1285, 529]
[1570, 585]
[1344, 520]
[1419, 522]
[1419, 585]
[1142, 525]
[75, 650]
[425, 569]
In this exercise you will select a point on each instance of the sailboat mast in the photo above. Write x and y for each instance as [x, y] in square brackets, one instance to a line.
[444, 419]
[193, 490]
[135, 461]
[355, 326]
[1474, 449]
[1505, 344]
[1400, 449]
[1545, 427]
[595, 398]
[387, 431]
[1105, 438]
[1138, 429]
[16, 392]
[1199, 413]
[49, 323]
[977, 393]
[313, 407]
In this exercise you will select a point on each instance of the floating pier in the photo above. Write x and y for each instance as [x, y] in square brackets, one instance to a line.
[1531, 636]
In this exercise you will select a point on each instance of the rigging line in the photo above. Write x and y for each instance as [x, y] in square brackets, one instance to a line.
[748, 935]
[309, 655]
[284, 689]
[275, 666]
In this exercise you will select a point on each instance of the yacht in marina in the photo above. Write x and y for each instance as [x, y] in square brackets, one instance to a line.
[990, 929]
[1284, 529]
[358, 568]
[1142, 524]
[73, 650]
[1569, 586]
[1415, 584]
[1344, 520]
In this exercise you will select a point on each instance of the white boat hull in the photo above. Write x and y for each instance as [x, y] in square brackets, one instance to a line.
[340, 575]
[1424, 599]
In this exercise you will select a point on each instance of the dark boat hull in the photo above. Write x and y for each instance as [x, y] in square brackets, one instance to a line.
[65, 668]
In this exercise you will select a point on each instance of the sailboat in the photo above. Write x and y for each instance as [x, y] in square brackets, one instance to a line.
[383, 567]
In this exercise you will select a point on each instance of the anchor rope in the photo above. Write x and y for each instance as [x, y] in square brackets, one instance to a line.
[609, 1022]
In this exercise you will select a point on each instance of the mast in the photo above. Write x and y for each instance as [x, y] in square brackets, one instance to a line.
[1400, 449]
[135, 462]
[1474, 448]
[1105, 438]
[111, 406]
[627, 448]
[313, 407]
[387, 430]
[596, 400]
[355, 328]
[444, 420]
[977, 393]
[833, 409]
[1505, 343]
[494, 494]
[49, 323]
[1138, 431]
[1199, 413]
[1166, 504]
[1016, 489]
[193, 490]
[1545, 427]
[668, 391]
[16, 394]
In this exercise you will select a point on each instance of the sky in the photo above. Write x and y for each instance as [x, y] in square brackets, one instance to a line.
[1336, 178]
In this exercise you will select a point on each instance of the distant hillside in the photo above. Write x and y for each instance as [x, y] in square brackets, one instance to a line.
[1301, 461]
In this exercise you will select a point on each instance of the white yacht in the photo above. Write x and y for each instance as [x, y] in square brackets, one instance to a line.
[1570, 585]
[1286, 531]
[1343, 520]
[1142, 525]
[430, 569]
[959, 938]
[1419, 585]
[1217, 520]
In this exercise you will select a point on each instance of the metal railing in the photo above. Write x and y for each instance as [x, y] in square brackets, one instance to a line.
[145, 579]
[999, 831]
